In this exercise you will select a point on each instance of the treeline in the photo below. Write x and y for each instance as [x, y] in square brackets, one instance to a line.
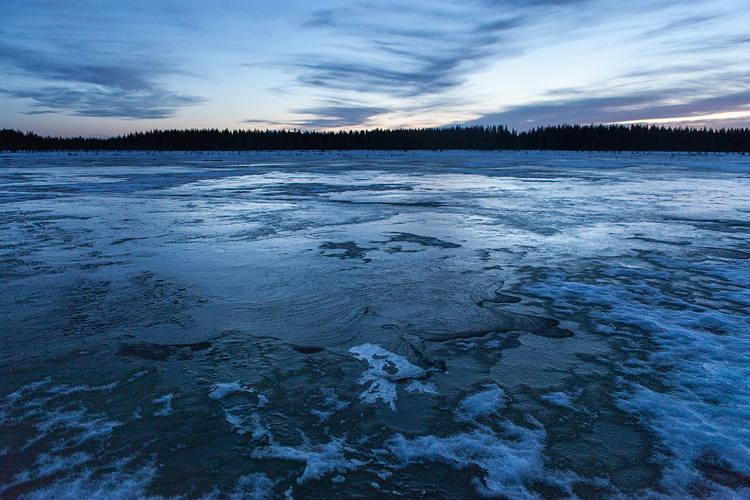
[561, 137]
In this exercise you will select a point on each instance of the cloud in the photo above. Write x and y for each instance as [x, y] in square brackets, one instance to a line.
[58, 68]
[532, 3]
[630, 108]
[430, 77]
[83, 85]
[678, 25]
[323, 17]
[410, 55]
[333, 116]
[405, 51]
[104, 102]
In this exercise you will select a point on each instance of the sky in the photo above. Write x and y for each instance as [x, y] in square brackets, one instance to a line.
[101, 68]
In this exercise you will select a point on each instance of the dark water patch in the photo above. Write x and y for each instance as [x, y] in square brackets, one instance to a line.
[43, 216]
[144, 350]
[317, 188]
[161, 352]
[718, 225]
[719, 471]
[554, 333]
[546, 490]
[509, 340]
[125, 240]
[253, 235]
[451, 336]
[502, 323]
[198, 346]
[664, 242]
[105, 263]
[500, 298]
[350, 250]
[483, 254]
[427, 241]
[13, 267]
[716, 331]
[722, 253]
[429, 204]
[593, 491]
[307, 350]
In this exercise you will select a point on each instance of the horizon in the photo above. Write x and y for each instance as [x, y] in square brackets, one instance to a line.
[676, 127]
[477, 137]
[91, 70]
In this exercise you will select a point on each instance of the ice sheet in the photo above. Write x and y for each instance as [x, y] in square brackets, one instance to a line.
[336, 325]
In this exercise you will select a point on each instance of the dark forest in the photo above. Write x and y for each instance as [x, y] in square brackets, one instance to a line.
[561, 137]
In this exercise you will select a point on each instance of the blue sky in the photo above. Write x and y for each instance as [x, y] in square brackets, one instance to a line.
[102, 68]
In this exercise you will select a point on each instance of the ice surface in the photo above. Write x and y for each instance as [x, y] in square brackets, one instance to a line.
[704, 353]
[354, 324]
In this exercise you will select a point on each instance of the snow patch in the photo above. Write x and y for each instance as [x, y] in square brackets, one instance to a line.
[482, 403]
[560, 399]
[165, 400]
[242, 426]
[702, 358]
[48, 465]
[113, 486]
[219, 389]
[419, 387]
[255, 486]
[507, 464]
[319, 460]
[64, 390]
[86, 426]
[386, 370]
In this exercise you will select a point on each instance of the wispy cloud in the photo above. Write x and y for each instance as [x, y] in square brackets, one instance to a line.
[104, 102]
[650, 106]
[337, 115]
[408, 55]
[405, 51]
[677, 26]
[93, 85]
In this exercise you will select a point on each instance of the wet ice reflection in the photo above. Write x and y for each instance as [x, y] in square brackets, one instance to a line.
[374, 324]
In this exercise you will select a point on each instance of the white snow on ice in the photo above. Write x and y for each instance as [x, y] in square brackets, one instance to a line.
[221, 389]
[482, 403]
[386, 370]
[319, 460]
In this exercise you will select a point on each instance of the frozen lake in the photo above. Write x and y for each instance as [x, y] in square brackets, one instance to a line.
[374, 325]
